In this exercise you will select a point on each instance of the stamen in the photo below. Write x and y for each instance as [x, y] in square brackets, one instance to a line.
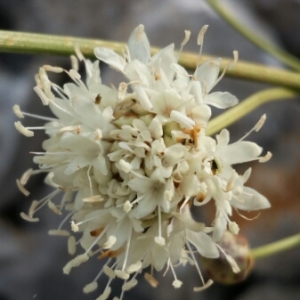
[105, 294]
[91, 287]
[122, 90]
[234, 266]
[187, 35]
[129, 285]
[59, 91]
[67, 197]
[110, 242]
[21, 188]
[150, 279]
[90, 180]
[97, 239]
[265, 158]
[53, 207]
[74, 74]
[59, 232]
[17, 111]
[127, 249]
[28, 218]
[125, 166]
[74, 227]
[33, 207]
[77, 261]
[127, 206]
[23, 130]
[93, 199]
[74, 62]
[38, 117]
[45, 200]
[41, 94]
[195, 262]
[108, 272]
[134, 267]
[200, 40]
[256, 127]
[233, 227]
[246, 175]
[182, 119]
[230, 182]
[244, 217]
[79, 54]
[204, 287]
[176, 283]
[260, 123]
[143, 98]
[229, 66]
[122, 274]
[139, 32]
[159, 239]
[65, 219]
[71, 245]
[53, 69]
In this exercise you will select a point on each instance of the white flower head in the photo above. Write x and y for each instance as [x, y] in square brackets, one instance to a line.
[130, 163]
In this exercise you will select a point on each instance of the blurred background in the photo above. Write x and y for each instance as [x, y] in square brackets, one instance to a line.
[31, 261]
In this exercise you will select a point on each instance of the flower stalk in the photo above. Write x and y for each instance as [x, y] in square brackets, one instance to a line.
[276, 247]
[290, 60]
[249, 104]
[33, 43]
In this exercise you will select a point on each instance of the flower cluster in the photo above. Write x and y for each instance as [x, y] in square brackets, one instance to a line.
[130, 162]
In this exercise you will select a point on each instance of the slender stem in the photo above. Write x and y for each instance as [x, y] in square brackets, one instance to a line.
[280, 54]
[64, 45]
[34, 43]
[276, 247]
[248, 105]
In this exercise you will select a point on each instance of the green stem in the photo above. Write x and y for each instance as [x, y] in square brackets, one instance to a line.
[34, 43]
[64, 45]
[280, 54]
[276, 247]
[248, 105]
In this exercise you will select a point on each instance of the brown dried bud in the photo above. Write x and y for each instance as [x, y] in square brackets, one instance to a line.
[220, 270]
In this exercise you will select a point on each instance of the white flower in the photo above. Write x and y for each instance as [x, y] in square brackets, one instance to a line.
[129, 163]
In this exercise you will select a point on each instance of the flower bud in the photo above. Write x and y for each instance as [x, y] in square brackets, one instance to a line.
[221, 269]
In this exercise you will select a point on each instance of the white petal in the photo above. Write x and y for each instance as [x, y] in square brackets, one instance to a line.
[221, 100]
[182, 119]
[111, 58]
[203, 243]
[250, 200]
[201, 114]
[208, 72]
[220, 226]
[138, 45]
[164, 60]
[143, 98]
[223, 138]
[145, 208]
[239, 152]
[197, 92]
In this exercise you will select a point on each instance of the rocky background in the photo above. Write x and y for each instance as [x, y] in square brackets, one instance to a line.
[31, 261]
